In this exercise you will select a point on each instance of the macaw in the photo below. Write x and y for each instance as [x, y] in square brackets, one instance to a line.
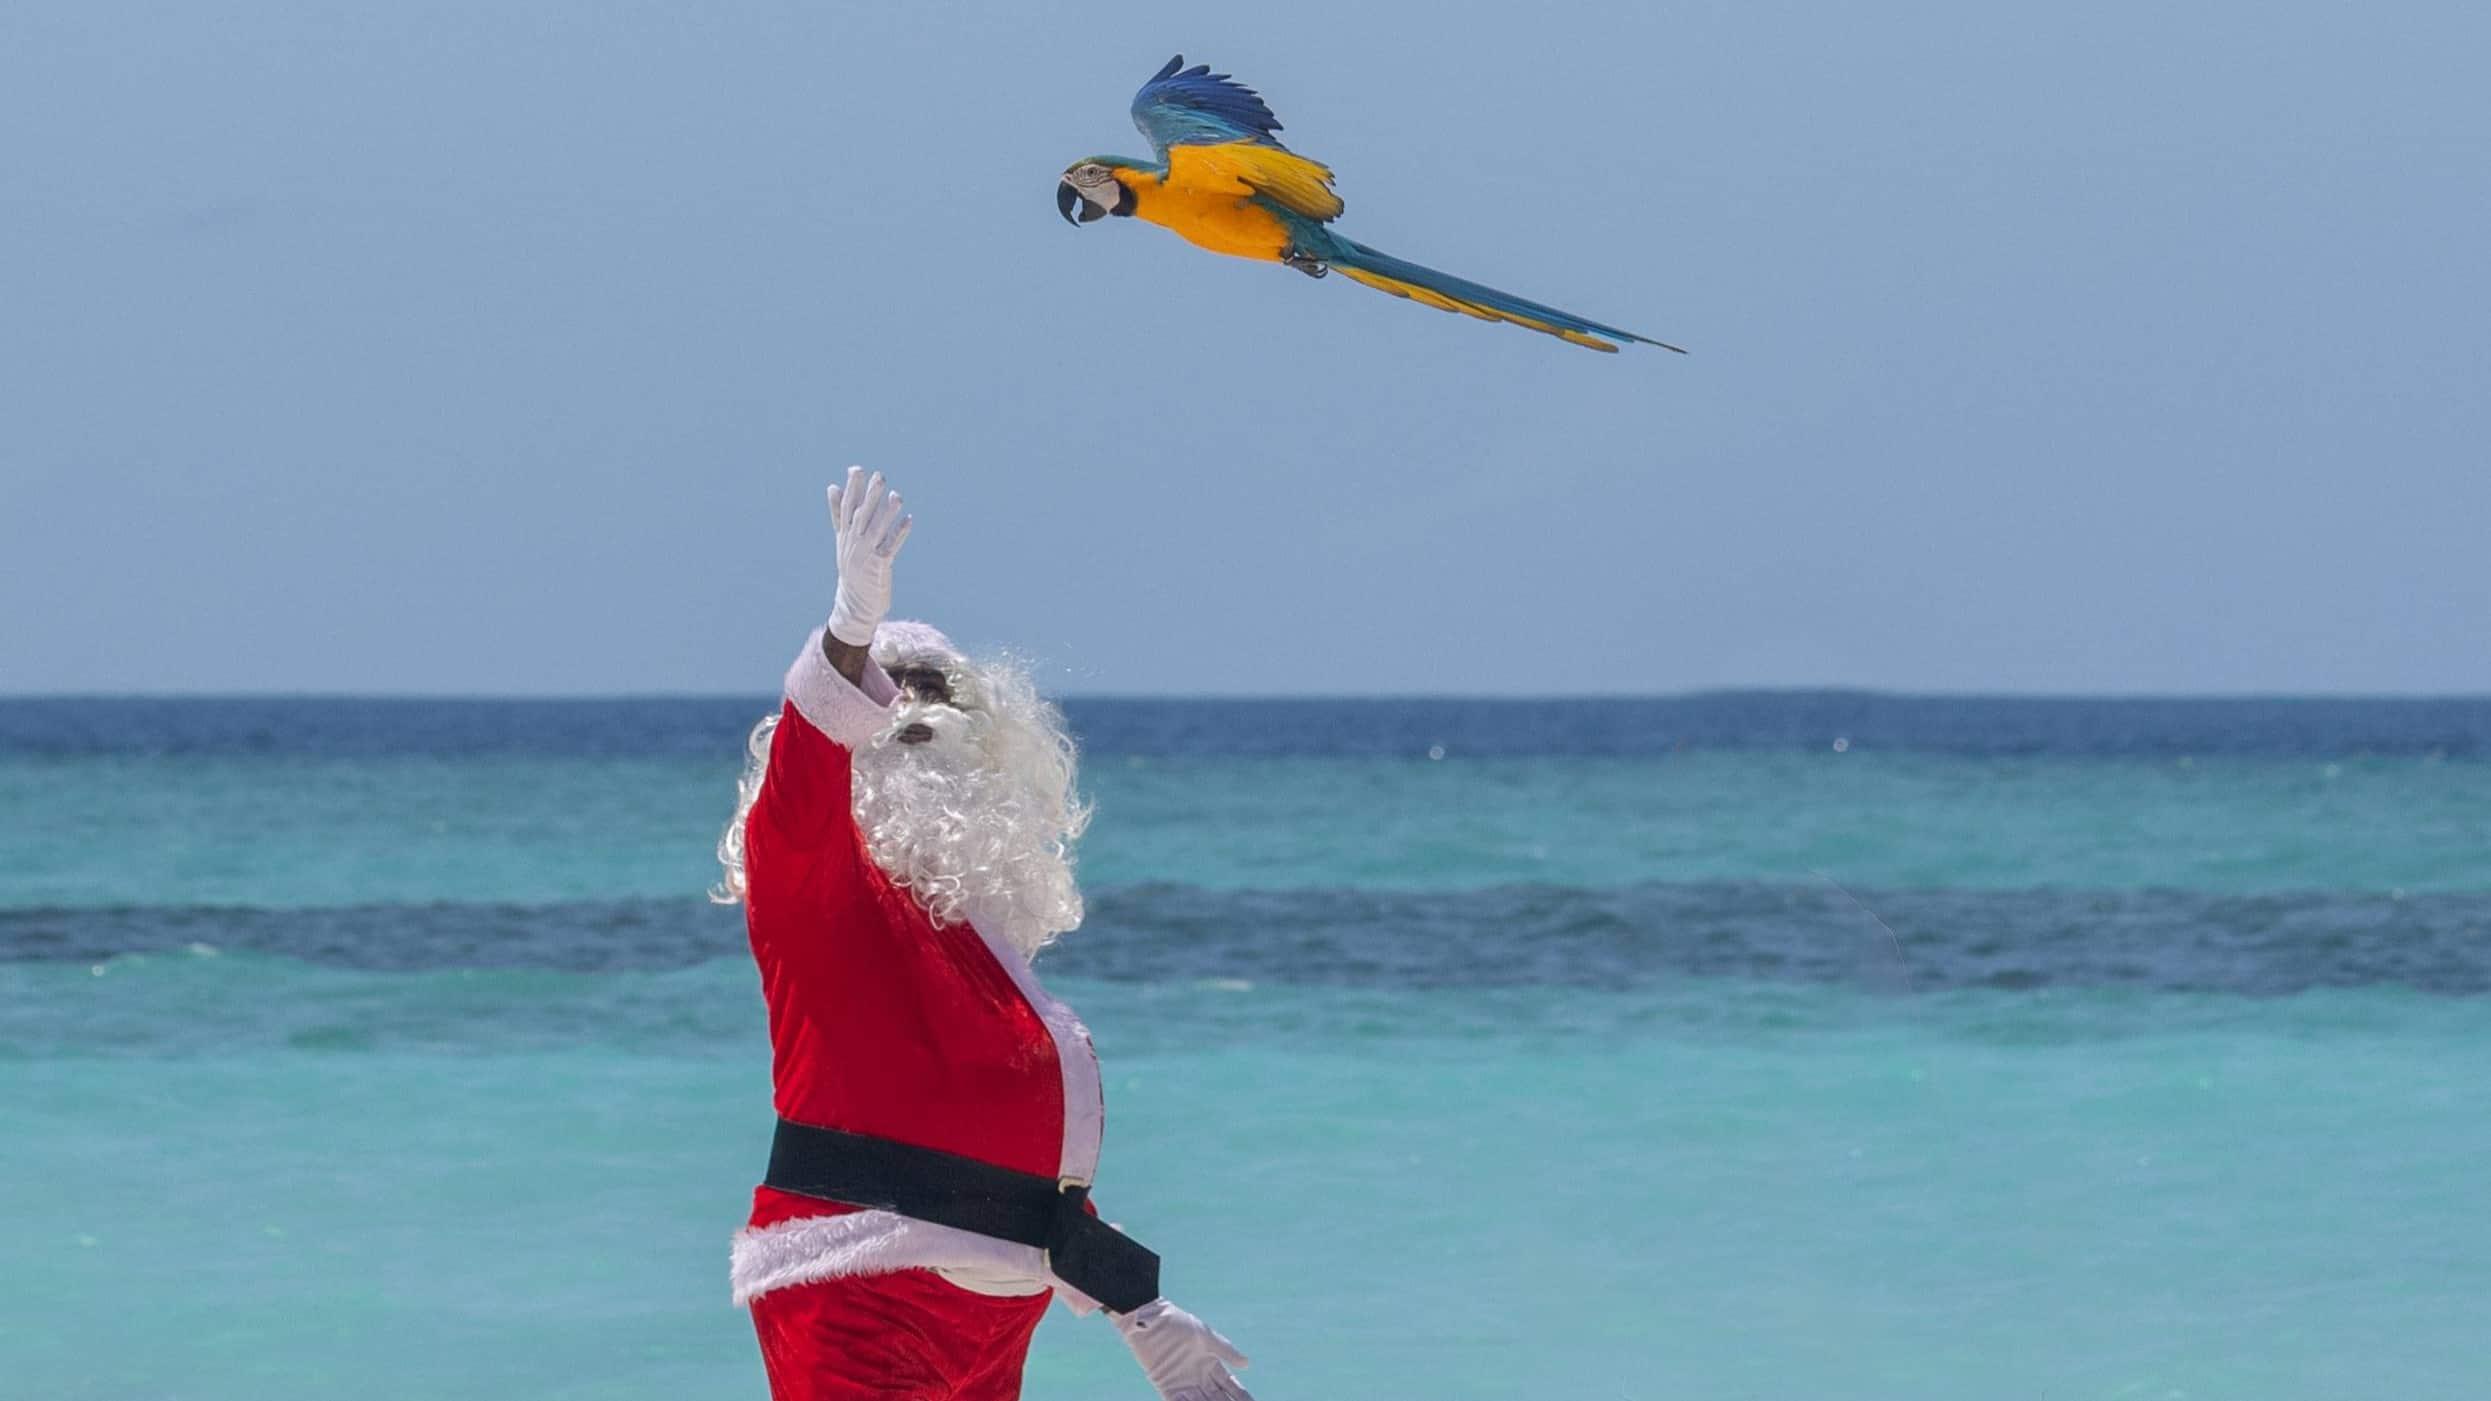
[1222, 181]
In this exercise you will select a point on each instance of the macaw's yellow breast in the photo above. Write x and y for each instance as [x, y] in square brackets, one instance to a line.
[1221, 221]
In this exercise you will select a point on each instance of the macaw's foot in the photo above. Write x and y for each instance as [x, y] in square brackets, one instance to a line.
[1312, 267]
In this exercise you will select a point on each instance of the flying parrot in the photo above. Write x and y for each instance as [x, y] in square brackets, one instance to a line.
[1222, 181]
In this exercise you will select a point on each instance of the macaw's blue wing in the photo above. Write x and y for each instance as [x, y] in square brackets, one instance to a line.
[1196, 107]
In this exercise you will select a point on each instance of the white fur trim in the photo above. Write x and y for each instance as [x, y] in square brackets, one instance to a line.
[875, 1243]
[1085, 1107]
[905, 639]
[847, 715]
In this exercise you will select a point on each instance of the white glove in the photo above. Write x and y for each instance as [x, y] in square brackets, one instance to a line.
[870, 529]
[1182, 1355]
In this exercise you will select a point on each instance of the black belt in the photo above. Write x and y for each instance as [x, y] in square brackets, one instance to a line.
[926, 1184]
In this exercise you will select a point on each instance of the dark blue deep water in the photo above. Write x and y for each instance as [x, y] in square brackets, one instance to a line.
[1731, 720]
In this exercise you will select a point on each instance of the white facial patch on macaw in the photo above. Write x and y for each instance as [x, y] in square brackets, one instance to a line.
[1096, 187]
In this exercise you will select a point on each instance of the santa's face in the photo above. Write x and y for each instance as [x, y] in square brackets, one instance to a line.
[921, 681]
[967, 798]
[943, 718]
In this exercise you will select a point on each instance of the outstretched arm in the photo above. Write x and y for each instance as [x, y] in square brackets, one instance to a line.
[868, 524]
[834, 688]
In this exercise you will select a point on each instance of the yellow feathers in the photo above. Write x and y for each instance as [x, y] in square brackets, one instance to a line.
[1426, 296]
[1207, 197]
[1223, 221]
[1283, 177]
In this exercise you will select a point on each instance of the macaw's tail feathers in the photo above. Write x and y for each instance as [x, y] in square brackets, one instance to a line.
[1445, 292]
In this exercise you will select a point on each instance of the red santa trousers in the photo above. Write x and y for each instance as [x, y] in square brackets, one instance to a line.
[886, 1337]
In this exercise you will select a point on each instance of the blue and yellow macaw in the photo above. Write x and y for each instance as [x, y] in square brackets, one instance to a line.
[1222, 181]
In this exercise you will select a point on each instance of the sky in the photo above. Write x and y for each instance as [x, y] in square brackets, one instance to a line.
[505, 349]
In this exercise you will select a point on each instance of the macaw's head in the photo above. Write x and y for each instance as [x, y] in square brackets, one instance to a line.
[1093, 185]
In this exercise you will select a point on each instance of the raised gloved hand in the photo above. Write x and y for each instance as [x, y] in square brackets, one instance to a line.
[870, 530]
[1185, 1359]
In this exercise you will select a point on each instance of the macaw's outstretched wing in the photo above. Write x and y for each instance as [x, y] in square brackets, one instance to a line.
[1283, 177]
[1194, 106]
[1215, 134]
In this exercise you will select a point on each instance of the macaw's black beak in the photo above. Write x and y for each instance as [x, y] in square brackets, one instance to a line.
[1066, 197]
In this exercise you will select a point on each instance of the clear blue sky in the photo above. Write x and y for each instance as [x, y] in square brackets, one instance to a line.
[505, 348]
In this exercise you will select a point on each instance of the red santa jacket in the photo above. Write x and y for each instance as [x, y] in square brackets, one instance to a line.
[883, 1022]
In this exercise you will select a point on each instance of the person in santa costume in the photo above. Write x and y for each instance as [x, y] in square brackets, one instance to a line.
[902, 847]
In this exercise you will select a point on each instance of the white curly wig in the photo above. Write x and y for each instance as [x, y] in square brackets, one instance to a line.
[980, 822]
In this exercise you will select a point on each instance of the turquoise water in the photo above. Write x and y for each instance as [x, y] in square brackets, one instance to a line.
[1747, 1191]
[298, 830]
[1744, 1071]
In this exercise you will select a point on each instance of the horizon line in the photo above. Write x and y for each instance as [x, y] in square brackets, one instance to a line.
[1282, 697]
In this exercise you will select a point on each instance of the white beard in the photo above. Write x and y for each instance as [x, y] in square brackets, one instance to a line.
[979, 822]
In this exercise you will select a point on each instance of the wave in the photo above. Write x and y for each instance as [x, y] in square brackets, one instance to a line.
[1508, 936]
[205, 1003]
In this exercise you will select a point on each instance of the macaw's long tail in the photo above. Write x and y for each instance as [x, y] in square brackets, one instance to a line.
[1445, 292]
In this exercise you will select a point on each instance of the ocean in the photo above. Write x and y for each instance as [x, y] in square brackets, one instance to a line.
[1739, 1045]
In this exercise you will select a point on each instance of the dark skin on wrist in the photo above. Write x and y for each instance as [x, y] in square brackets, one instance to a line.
[923, 683]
